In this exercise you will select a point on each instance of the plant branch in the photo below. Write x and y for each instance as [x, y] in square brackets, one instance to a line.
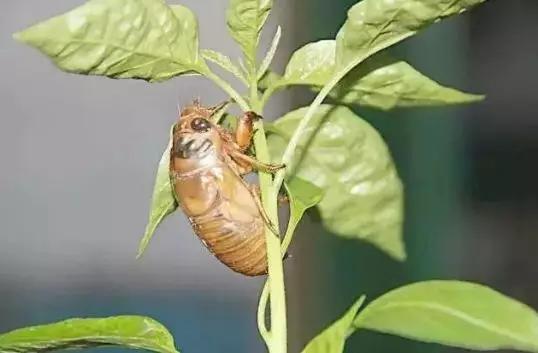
[276, 339]
[264, 296]
[225, 86]
[287, 157]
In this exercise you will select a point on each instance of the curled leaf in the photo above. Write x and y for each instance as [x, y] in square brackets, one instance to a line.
[163, 201]
[224, 62]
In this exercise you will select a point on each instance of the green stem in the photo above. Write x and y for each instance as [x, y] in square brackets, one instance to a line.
[264, 296]
[225, 86]
[276, 339]
[287, 157]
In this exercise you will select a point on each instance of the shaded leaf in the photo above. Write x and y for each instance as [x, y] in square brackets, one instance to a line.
[142, 39]
[349, 161]
[245, 20]
[333, 338]
[136, 332]
[373, 25]
[380, 82]
[453, 313]
[302, 196]
[163, 201]
[224, 62]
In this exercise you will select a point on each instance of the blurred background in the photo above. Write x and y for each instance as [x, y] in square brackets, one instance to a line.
[78, 156]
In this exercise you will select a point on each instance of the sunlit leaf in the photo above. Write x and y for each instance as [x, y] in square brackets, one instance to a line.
[349, 161]
[224, 62]
[333, 338]
[163, 201]
[380, 82]
[454, 313]
[136, 332]
[373, 25]
[142, 39]
[245, 20]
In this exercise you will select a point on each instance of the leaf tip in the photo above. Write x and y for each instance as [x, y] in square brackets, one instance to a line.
[141, 248]
[19, 36]
[477, 97]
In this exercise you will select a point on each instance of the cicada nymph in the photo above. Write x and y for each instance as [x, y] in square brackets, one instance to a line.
[207, 165]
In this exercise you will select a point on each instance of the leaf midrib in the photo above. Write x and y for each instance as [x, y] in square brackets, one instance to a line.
[129, 50]
[133, 341]
[434, 306]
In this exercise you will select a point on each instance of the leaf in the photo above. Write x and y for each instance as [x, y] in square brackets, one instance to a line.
[245, 20]
[380, 82]
[453, 313]
[333, 338]
[142, 39]
[224, 62]
[302, 196]
[373, 25]
[349, 161]
[229, 122]
[385, 83]
[312, 64]
[268, 80]
[270, 53]
[135, 332]
[163, 201]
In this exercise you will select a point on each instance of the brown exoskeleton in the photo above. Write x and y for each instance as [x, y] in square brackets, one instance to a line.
[207, 163]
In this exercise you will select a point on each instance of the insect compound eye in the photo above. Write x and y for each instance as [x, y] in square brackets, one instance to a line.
[200, 124]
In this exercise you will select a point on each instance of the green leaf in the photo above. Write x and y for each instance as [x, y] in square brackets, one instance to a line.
[349, 161]
[135, 332]
[380, 82]
[142, 39]
[268, 59]
[373, 25]
[269, 80]
[224, 62]
[163, 201]
[245, 20]
[302, 196]
[385, 83]
[333, 338]
[312, 64]
[454, 313]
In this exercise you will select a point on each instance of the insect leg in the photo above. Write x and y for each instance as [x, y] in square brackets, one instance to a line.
[256, 164]
[245, 130]
[255, 191]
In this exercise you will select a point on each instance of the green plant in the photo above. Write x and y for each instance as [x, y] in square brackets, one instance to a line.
[335, 161]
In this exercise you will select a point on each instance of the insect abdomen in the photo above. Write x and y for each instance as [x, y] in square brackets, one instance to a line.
[239, 245]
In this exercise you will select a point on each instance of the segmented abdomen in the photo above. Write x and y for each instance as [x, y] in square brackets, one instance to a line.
[239, 245]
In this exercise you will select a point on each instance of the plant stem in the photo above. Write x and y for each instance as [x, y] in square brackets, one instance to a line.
[277, 337]
[264, 296]
[225, 86]
[287, 157]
